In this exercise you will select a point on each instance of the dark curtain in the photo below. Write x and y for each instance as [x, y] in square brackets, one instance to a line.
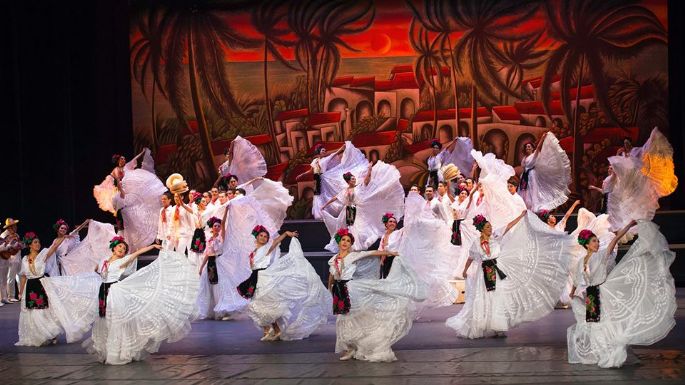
[65, 107]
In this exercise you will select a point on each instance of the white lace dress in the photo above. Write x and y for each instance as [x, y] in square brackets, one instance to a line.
[36, 326]
[535, 275]
[460, 156]
[381, 310]
[209, 294]
[384, 193]
[266, 205]
[290, 293]
[68, 244]
[549, 174]
[636, 301]
[332, 168]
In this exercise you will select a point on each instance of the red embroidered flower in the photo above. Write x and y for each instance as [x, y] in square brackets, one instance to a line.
[39, 301]
[341, 304]
[250, 289]
[33, 296]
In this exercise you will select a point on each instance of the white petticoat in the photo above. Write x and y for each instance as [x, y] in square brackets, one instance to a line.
[381, 313]
[290, 293]
[534, 259]
[637, 303]
[153, 305]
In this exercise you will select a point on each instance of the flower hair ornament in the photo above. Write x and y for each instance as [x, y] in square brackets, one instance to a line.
[259, 229]
[115, 241]
[28, 238]
[347, 176]
[543, 215]
[584, 237]
[479, 222]
[318, 148]
[115, 158]
[436, 144]
[341, 233]
[59, 224]
[197, 198]
[387, 217]
[212, 221]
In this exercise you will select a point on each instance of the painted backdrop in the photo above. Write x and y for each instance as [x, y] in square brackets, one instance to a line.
[392, 75]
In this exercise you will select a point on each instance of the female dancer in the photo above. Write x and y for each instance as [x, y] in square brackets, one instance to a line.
[346, 157]
[69, 242]
[136, 314]
[138, 202]
[457, 152]
[641, 181]
[551, 220]
[514, 284]
[389, 241]
[607, 187]
[210, 293]
[37, 322]
[372, 314]
[88, 252]
[288, 301]
[632, 304]
[546, 174]
[105, 191]
[381, 191]
[243, 161]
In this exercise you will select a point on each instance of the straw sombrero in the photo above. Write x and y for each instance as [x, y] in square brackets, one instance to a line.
[450, 172]
[176, 184]
[10, 222]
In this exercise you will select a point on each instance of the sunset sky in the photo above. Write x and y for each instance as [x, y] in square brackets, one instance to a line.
[388, 36]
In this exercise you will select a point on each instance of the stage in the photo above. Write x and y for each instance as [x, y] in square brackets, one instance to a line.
[230, 352]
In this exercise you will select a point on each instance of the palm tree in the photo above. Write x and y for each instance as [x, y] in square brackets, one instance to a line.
[486, 23]
[589, 34]
[196, 32]
[522, 56]
[436, 18]
[146, 54]
[266, 18]
[303, 17]
[641, 103]
[338, 22]
[427, 64]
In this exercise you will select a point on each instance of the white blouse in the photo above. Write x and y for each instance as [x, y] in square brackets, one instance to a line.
[478, 254]
[38, 265]
[346, 266]
[594, 273]
[261, 258]
[435, 161]
[392, 242]
[348, 196]
[214, 246]
[113, 271]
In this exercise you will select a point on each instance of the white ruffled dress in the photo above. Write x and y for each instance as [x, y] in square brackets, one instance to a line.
[85, 257]
[332, 168]
[384, 193]
[549, 174]
[637, 301]
[534, 259]
[290, 293]
[209, 294]
[37, 326]
[247, 162]
[67, 246]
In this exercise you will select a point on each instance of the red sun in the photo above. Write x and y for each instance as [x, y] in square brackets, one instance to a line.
[380, 43]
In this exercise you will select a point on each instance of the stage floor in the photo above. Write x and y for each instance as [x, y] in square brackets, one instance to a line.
[219, 352]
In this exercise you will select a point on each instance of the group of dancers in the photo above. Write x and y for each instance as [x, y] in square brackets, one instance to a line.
[219, 254]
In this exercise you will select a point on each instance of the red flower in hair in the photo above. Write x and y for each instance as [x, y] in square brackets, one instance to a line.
[479, 222]
[584, 237]
[341, 233]
[115, 241]
[387, 216]
[259, 229]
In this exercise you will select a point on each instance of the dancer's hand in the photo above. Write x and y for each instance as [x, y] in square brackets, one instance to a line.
[292, 234]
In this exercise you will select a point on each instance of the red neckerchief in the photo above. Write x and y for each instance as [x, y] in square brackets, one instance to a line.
[337, 264]
[163, 214]
[251, 260]
[177, 214]
[485, 245]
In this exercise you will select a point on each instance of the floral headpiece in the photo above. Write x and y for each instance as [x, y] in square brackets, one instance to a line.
[115, 241]
[318, 148]
[196, 197]
[59, 224]
[460, 189]
[543, 215]
[584, 237]
[387, 216]
[347, 176]
[28, 238]
[341, 233]
[231, 176]
[259, 229]
[436, 144]
[212, 221]
[479, 221]
[115, 158]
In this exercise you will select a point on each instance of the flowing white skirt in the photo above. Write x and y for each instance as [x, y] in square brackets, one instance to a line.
[332, 182]
[536, 274]
[153, 305]
[85, 257]
[291, 294]
[247, 162]
[460, 156]
[74, 300]
[141, 207]
[548, 181]
[381, 313]
[37, 326]
[209, 296]
[637, 303]
[104, 194]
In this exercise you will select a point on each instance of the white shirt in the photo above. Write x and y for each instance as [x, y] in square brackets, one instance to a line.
[164, 228]
[460, 208]
[16, 256]
[261, 259]
[185, 226]
[596, 273]
[346, 266]
[392, 242]
[214, 246]
[478, 254]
